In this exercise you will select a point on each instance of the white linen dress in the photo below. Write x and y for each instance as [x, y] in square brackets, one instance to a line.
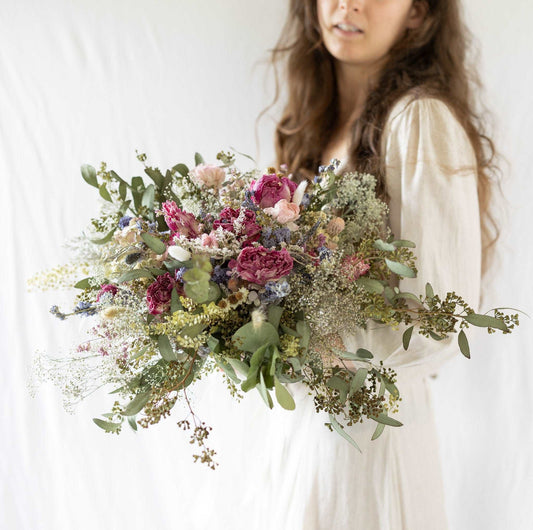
[285, 470]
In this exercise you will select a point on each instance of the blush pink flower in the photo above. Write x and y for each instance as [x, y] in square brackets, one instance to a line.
[159, 293]
[179, 221]
[249, 232]
[260, 264]
[284, 211]
[270, 189]
[353, 267]
[209, 175]
[210, 240]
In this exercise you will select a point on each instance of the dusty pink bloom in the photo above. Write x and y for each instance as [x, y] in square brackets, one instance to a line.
[270, 189]
[284, 211]
[106, 288]
[209, 175]
[210, 240]
[179, 221]
[259, 264]
[250, 231]
[353, 267]
[159, 293]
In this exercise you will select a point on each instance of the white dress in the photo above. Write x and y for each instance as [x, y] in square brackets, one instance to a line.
[286, 470]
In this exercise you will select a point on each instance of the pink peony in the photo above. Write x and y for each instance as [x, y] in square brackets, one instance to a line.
[259, 264]
[209, 175]
[353, 267]
[106, 288]
[159, 293]
[284, 211]
[250, 231]
[270, 189]
[179, 221]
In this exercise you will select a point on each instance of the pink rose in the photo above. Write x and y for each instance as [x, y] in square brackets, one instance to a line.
[159, 293]
[353, 267]
[209, 175]
[284, 211]
[259, 264]
[249, 231]
[179, 221]
[106, 288]
[270, 189]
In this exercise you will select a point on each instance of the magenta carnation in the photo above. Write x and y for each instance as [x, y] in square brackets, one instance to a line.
[270, 189]
[106, 288]
[250, 231]
[259, 264]
[159, 293]
[179, 221]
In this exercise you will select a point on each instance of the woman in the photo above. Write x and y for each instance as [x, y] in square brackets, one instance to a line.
[382, 85]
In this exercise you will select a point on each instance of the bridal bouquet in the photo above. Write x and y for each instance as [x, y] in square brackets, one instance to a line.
[212, 268]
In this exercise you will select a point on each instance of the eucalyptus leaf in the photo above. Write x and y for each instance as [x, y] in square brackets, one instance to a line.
[339, 384]
[134, 274]
[228, 370]
[364, 354]
[302, 327]
[400, 269]
[156, 175]
[371, 285]
[104, 193]
[429, 291]
[386, 420]
[463, 344]
[379, 429]
[148, 198]
[137, 404]
[122, 191]
[89, 175]
[406, 337]
[436, 337]
[132, 423]
[486, 321]
[108, 426]
[239, 366]
[358, 380]
[105, 239]
[274, 315]
[381, 245]
[83, 284]
[283, 396]
[252, 336]
[336, 425]
[154, 243]
[165, 348]
[403, 243]
[198, 159]
[265, 394]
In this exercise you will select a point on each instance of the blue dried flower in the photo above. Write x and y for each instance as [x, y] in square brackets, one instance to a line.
[306, 199]
[282, 235]
[57, 313]
[324, 253]
[219, 275]
[178, 275]
[203, 351]
[124, 221]
[85, 309]
[275, 290]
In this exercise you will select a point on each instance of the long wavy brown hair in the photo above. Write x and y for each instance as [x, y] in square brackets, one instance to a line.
[432, 60]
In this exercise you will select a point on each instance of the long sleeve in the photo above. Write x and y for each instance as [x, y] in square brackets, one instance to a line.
[432, 183]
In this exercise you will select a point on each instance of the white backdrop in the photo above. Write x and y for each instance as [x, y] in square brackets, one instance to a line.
[84, 81]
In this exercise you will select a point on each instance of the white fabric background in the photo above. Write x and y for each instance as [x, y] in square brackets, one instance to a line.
[85, 81]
